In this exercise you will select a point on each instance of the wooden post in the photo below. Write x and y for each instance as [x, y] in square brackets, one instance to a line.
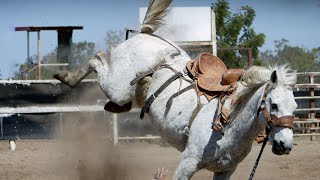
[312, 114]
[115, 129]
[39, 63]
[28, 46]
[213, 33]
[1, 122]
[61, 124]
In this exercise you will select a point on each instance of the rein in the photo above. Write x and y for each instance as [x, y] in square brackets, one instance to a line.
[272, 120]
[265, 140]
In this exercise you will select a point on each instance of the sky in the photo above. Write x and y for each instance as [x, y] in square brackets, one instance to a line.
[294, 20]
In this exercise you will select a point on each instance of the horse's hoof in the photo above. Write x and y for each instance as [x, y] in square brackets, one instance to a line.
[63, 76]
[113, 107]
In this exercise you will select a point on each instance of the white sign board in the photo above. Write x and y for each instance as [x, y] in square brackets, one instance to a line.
[185, 24]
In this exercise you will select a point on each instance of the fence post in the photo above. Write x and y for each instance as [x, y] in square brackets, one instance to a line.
[312, 114]
[115, 128]
[60, 124]
[1, 124]
[39, 62]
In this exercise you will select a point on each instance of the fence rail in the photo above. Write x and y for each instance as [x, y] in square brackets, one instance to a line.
[303, 126]
[9, 111]
[308, 126]
[307, 97]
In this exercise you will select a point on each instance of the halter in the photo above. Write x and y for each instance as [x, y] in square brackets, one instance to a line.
[272, 120]
[284, 121]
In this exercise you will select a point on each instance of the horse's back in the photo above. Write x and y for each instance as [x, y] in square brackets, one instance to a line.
[138, 54]
[140, 49]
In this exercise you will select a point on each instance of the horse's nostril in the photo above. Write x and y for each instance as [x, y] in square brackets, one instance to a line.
[280, 148]
[284, 148]
[282, 145]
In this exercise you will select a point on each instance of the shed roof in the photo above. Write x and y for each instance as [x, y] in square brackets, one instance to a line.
[40, 28]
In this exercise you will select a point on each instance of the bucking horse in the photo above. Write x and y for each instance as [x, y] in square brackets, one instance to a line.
[152, 70]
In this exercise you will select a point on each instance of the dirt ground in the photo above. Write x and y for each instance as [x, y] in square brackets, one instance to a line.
[94, 158]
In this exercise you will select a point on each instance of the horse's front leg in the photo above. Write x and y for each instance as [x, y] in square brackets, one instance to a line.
[186, 169]
[72, 79]
[223, 175]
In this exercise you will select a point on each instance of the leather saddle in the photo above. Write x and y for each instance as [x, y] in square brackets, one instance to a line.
[211, 76]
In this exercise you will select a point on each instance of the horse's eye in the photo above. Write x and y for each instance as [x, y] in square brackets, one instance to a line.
[274, 107]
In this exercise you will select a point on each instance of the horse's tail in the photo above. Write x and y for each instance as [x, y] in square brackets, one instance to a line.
[157, 10]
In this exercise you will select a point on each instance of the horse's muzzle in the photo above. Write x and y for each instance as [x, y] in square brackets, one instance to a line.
[280, 149]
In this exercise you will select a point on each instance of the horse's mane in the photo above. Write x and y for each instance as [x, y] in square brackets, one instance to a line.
[157, 10]
[256, 76]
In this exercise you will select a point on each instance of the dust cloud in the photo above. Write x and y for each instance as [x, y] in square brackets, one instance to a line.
[86, 151]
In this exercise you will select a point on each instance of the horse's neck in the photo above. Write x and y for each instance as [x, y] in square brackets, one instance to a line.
[245, 125]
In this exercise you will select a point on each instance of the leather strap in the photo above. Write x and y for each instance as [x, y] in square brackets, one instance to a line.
[160, 64]
[149, 72]
[216, 124]
[132, 31]
[284, 121]
[195, 112]
[178, 50]
[150, 100]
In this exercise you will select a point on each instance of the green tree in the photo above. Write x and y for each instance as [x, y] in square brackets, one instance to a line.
[81, 53]
[235, 30]
[316, 54]
[25, 70]
[112, 39]
[298, 58]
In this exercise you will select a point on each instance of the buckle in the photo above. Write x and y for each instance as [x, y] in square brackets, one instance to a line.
[217, 126]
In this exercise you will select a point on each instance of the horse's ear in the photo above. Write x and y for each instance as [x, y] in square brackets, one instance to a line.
[274, 77]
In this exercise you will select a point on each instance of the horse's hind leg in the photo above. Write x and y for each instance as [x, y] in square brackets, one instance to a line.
[96, 64]
[72, 79]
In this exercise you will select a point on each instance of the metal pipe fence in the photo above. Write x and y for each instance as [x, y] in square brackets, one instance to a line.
[306, 123]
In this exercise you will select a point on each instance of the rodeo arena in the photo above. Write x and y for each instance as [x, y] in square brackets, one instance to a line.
[163, 107]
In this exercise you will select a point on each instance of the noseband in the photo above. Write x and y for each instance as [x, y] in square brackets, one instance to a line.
[284, 121]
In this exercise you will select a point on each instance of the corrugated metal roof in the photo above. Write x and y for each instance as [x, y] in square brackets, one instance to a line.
[41, 28]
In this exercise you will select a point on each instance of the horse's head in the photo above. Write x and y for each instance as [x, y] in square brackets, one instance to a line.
[280, 103]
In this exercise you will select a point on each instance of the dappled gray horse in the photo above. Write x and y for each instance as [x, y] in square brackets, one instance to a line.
[264, 96]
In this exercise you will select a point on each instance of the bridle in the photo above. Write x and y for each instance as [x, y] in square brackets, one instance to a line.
[272, 121]
[284, 121]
